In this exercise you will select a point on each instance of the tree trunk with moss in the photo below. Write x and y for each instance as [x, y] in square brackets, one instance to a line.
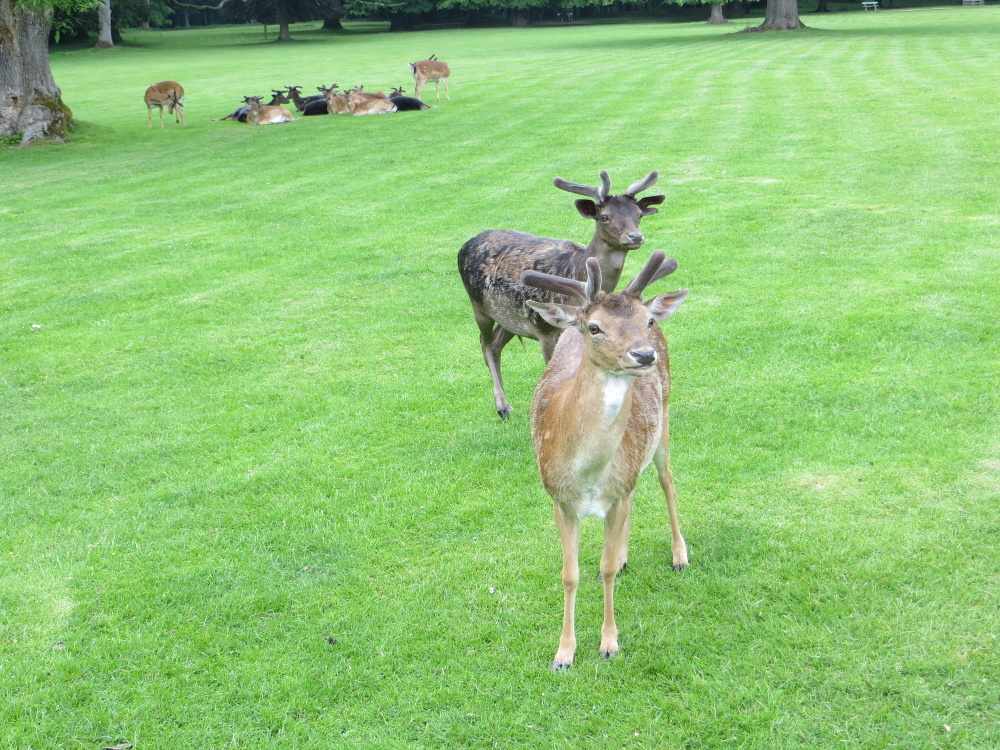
[31, 104]
[716, 17]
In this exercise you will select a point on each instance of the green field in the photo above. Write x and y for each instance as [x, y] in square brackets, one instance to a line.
[244, 411]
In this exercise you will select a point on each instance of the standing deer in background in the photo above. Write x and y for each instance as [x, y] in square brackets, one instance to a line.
[491, 265]
[599, 416]
[261, 114]
[431, 69]
[169, 94]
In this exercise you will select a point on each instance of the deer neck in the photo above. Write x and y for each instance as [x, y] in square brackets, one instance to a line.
[611, 259]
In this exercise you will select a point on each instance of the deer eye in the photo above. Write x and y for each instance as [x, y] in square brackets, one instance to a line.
[594, 329]
[652, 322]
[605, 218]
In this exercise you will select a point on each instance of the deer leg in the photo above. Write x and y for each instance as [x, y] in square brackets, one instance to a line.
[437, 89]
[447, 95]
[569, 534]
[486, 340]
[149, 117]
[678, 547]
[161, 117]
[616, 527]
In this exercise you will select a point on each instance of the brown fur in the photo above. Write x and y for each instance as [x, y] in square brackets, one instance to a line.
[598, 418]
[169, 94]
[491, 265]
[431, 70]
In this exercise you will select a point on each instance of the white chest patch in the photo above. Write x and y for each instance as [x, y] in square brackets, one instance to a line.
[615, 388]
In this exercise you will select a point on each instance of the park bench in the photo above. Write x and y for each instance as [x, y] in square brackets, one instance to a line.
[870, 5]
[973, 2]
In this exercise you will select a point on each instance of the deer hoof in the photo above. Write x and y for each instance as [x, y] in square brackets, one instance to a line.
[607, 654]
[559, 666]
[504, 412]
[679, 568]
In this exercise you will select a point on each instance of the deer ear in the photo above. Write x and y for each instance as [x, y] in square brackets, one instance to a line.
[587, 208]
[663, 306]
[560, 316]
[645, 204]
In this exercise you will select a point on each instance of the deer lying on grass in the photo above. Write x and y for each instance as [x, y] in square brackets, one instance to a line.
[360, 104]
[241, 112]
[320, 106]
[598, 417]
[169, 94]
[302, 101]
[336, 104]
[431, 69]
[261, 114]
[491, 265]
[406, 103]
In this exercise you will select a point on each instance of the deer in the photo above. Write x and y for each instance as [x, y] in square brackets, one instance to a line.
[336, 104]
[431, 69]
[406, 103]
[491, 264]
[169, 94]
[599, 418]
[320, 106]
[359, 104]
[301, 101]
[261, 114]
[241, 112]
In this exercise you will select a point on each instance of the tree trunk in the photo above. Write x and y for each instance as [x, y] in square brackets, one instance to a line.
[717, 17]
[821, 8]
[735, 9]
[31, 104]
[104, 40]
[284, 33]
[399, 22]
[781, 15]
[520, 17]
[187, 19]
[332, 24]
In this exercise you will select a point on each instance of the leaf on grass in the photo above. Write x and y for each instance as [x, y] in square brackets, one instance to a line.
[330, 639]
[123, 746]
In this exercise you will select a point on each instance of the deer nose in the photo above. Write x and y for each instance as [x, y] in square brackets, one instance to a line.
[635, 238]
[643, 357]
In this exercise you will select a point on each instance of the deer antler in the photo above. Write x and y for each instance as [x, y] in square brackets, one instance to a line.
[656, 268]
[643, 184]
[599, 194]
[585, 291]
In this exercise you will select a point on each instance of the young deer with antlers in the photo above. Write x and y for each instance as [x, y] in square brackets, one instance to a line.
[599, 417]
[169, 94]
[263, 114]
[491, 265]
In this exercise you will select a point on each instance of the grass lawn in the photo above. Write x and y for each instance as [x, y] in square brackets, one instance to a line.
[243, 410]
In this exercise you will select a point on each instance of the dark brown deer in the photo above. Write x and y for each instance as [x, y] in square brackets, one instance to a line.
[491, 265]
[599, 417]
[295, 92]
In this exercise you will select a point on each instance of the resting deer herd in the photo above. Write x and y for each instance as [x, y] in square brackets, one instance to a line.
[599, 415]
[330, 101]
